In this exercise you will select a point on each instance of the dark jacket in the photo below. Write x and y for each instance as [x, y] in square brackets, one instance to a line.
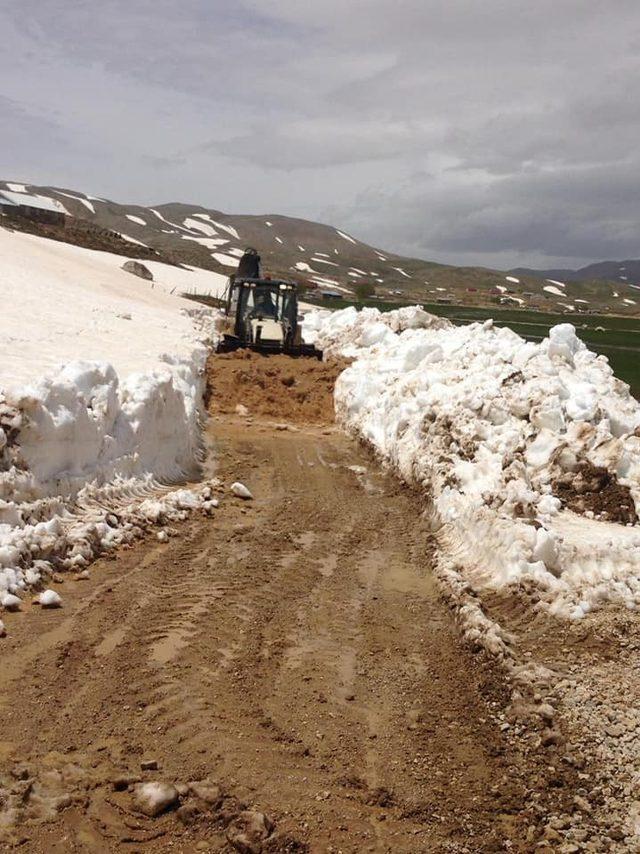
[249, 266]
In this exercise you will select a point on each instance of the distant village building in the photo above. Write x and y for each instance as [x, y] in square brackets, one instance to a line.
[35, 208]
[445, 300]
[330, 295]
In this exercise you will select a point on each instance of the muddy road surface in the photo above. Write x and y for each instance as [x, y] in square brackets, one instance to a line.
[291, 651]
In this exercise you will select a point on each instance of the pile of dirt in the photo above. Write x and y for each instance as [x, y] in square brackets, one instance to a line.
[596, 490]
[298, 391]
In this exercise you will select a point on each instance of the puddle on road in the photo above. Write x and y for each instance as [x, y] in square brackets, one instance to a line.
[395, 575]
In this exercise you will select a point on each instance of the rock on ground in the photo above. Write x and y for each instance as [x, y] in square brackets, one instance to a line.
[152, 799]
[248, 831]
[138, 269]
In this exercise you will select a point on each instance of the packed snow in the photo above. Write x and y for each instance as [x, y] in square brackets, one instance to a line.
[513, 280]
[137, 219]
[402, 272]
[101, 383]
[488, 423]
[555, 282]
[17, 188]
[345, 236]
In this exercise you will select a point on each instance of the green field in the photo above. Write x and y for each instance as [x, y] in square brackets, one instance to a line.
[617, 338]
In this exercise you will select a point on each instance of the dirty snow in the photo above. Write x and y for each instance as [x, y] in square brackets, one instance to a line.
[485, 422]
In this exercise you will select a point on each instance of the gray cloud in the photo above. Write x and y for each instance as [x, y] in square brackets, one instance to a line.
[496, 133]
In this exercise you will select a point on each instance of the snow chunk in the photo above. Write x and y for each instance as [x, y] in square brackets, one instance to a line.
[49, 599]
[10, 602]
[240, 490]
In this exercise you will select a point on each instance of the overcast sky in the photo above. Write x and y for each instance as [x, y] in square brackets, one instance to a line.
[495, 132]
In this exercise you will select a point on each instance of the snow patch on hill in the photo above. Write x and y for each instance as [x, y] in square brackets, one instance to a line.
[88, 205]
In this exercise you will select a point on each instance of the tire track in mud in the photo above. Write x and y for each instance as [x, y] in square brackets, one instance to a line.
[294, 649]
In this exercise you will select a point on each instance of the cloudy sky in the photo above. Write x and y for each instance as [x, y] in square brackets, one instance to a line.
[495, 132]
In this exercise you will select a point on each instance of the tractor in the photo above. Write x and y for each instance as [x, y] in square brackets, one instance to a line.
[261, 314]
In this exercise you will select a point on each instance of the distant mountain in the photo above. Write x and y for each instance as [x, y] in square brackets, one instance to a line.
[612, 271]
[321, 256]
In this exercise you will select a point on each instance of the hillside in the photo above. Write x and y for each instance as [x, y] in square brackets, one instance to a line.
[320, 256]
[624, 272]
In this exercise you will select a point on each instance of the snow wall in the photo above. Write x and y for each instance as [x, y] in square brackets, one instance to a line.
[495, 429]
[87, 459]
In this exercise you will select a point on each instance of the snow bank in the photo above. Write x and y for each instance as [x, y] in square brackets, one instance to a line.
[489, 424]
[90, 446]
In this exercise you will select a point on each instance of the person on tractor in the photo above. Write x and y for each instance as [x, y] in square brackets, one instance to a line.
[249, 266]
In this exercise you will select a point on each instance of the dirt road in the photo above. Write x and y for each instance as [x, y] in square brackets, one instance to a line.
[292, 649]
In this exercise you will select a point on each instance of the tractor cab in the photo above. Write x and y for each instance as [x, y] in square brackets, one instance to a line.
[262, 314]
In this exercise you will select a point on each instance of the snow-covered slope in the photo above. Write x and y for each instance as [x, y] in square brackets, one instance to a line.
[530, 452]
[60, 302]
[101, 382]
